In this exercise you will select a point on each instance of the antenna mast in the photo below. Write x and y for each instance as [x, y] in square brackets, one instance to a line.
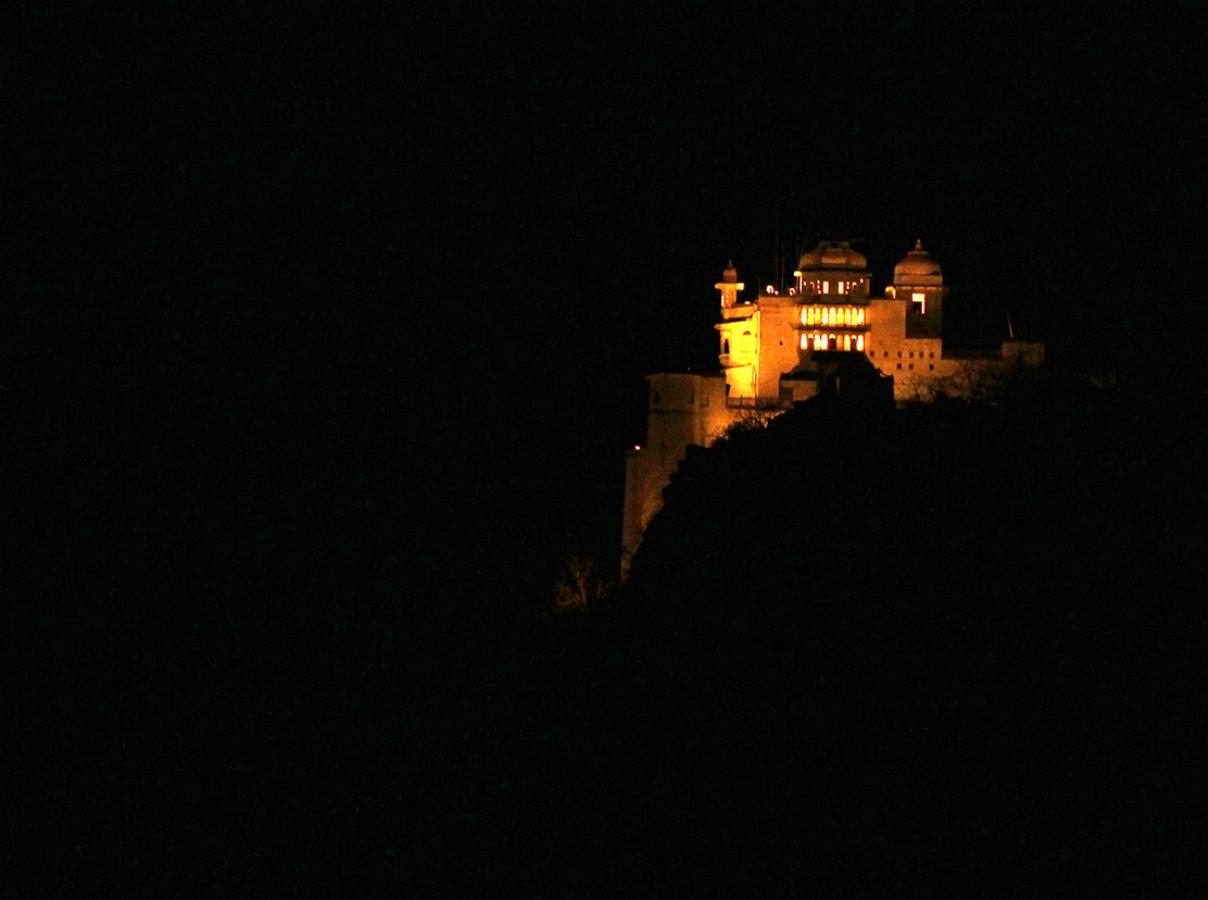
[779, 253]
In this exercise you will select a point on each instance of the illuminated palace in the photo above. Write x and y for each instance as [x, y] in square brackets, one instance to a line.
[773, 350]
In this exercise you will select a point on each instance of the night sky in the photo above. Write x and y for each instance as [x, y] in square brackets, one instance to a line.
[495, 223]
[595, 179]
[321, 319]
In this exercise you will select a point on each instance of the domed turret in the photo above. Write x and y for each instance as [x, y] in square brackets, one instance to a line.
[729, 286]
[917, 268]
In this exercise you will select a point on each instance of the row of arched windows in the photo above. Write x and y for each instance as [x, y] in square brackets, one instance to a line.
[833, 315]
[822, 341]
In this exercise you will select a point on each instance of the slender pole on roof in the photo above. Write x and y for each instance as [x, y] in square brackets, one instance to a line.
[1010, 327]
[779, 280]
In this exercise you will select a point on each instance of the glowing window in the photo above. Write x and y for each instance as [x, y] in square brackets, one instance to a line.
[860, 342]
[919, 302]
[847, 342]
[840, 286]
[859, 317]
[826, 287]
[803, 340]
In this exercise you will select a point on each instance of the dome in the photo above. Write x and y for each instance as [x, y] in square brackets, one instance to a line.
[917, 267]
[833, 255]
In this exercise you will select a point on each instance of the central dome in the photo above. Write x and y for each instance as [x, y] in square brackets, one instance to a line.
[833, 255]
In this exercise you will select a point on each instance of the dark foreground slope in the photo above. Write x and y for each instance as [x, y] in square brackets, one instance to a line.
[958, 643]
[939, 645]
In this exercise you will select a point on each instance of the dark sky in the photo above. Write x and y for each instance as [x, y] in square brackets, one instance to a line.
[422, 259]
[601, 168]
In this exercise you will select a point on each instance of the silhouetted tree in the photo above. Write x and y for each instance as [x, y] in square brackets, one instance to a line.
[579, 583]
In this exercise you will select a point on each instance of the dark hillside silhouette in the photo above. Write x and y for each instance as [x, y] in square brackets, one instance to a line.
[929, 645]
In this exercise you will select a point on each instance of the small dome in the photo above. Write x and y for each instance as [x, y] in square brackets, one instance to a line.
[833, 255]
[730, 275]
[917, 267]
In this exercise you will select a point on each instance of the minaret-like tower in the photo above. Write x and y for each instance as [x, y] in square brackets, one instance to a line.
[729, 286]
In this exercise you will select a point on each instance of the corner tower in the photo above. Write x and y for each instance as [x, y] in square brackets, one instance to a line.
[918, 279]
[729, 286]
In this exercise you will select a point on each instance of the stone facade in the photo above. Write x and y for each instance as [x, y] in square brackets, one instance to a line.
[767, 353]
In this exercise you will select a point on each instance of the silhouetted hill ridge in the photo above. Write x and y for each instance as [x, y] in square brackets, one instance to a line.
[935, 643]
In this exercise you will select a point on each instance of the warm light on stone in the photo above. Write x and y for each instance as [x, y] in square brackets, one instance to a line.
[767, 359]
